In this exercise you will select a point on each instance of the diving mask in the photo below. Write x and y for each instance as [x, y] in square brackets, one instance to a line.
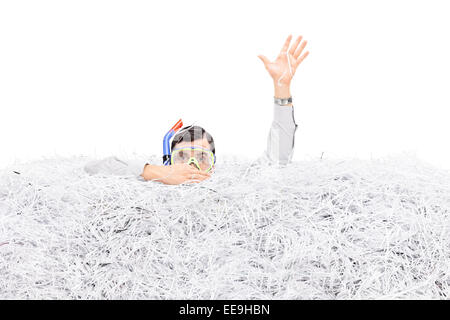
[202, 158]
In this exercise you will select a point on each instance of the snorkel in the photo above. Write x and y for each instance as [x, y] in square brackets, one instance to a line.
[166, 142]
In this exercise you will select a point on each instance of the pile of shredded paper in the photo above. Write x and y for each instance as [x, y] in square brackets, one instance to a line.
[316, 229]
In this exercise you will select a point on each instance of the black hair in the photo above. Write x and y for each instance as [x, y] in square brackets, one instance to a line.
[192, 133]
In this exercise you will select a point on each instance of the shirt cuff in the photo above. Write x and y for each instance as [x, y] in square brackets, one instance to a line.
[136, 167]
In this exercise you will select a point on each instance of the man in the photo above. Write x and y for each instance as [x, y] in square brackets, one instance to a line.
[192, 156]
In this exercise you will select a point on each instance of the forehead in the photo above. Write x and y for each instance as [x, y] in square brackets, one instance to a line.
[199, 142]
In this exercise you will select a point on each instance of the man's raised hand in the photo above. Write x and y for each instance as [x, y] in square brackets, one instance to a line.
[283, 68]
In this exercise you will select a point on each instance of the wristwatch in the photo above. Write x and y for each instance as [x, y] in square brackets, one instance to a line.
[282, 101]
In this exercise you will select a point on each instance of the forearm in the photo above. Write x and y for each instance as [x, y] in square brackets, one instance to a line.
[150, 172]
[280, 142]
[282, 92]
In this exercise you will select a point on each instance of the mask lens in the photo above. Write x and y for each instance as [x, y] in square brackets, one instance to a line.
[204, 159]
[181, 156]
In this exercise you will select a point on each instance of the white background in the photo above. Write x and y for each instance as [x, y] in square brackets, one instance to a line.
[111, 77]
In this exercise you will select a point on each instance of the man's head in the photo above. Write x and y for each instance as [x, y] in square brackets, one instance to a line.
[194, 145]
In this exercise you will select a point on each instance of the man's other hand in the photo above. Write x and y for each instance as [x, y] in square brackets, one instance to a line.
[174, 174]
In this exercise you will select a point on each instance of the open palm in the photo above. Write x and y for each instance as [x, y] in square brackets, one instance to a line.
[283, 68]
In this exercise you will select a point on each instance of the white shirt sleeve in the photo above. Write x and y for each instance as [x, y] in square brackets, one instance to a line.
[280, 142]
[115, 166]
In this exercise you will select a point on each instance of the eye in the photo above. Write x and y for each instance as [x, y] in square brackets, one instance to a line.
[203, 156]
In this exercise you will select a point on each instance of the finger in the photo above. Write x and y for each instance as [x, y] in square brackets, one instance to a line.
[189, 168]
[203, 175]
[264, 59]
[302, 57]
[197, 177]
[193, 170]
[184, 167]
[205, 172]
[295, 45]
[191, 181]
[286, 45]
[191, 173]
[300, 49]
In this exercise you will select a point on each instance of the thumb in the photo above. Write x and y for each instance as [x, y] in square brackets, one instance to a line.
[264, 59]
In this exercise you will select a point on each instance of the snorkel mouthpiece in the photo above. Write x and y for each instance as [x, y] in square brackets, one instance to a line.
[166, 142]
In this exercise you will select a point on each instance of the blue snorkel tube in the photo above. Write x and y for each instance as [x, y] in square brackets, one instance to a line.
[166, 142]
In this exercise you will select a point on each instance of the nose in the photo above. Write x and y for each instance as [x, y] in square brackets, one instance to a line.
[193, 165]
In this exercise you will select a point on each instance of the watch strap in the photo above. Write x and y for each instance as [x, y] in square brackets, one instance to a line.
[282, 101]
